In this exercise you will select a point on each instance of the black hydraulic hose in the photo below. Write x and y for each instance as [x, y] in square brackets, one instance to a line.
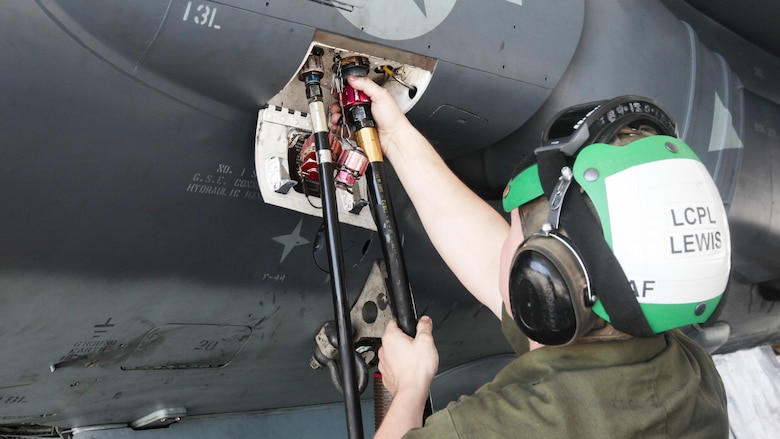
[397, 277]
[401, 299]
[358, 114]
[312, 75]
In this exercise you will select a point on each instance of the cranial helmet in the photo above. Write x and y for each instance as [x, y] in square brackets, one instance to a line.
[635, 233]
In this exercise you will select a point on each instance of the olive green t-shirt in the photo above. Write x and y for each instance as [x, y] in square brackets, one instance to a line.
[660, 387]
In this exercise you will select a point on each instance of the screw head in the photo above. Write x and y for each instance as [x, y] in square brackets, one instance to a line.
[591, 174]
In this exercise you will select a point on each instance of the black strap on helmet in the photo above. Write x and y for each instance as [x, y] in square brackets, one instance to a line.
[570, 131]
[608, 280]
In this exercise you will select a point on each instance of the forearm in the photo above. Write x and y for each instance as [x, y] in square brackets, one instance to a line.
[405, 413]
[466, 231]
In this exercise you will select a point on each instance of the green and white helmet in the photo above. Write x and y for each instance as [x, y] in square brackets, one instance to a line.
[658, 208]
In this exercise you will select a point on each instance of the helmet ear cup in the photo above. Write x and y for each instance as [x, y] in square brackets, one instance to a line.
[547, 289]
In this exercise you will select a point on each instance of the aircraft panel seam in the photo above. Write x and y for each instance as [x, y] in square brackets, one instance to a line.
[691, 81]
[153, 40]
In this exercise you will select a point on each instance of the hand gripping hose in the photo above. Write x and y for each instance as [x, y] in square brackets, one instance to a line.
[357, 109]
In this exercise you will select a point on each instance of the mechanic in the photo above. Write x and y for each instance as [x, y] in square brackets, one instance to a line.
[618, 236]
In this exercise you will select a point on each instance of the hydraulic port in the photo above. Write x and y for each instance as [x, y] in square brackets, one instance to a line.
[390, 72]
[286, 158]
[351, 165]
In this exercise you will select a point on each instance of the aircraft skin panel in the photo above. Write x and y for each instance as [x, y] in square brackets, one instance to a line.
[178, 48]
[752, 319]
[756, 87]
[713, 115]
[467, 119]
[517, 44]
[641, 50]
[183, 53]
[757, 69]
[324, 421]
[124, 43]
[755, 211]
[120, 235]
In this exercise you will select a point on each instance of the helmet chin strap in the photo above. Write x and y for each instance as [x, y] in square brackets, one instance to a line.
[608, 281]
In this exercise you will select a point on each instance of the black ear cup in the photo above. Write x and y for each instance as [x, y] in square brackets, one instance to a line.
[547, 289]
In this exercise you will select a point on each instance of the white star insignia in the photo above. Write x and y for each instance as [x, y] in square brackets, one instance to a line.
[291, 241]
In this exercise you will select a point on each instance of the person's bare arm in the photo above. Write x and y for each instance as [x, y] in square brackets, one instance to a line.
[465, 230]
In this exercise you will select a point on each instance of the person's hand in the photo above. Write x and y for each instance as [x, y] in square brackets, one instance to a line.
[408, 364]
[384, 109]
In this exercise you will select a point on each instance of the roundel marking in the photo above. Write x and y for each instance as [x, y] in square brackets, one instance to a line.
[397, 19]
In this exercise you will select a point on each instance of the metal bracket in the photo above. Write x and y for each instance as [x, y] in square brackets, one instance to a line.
[369, 316]
[278, 175]
[275, 177]
[556, 201]
[372, 310]
[159, 418]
